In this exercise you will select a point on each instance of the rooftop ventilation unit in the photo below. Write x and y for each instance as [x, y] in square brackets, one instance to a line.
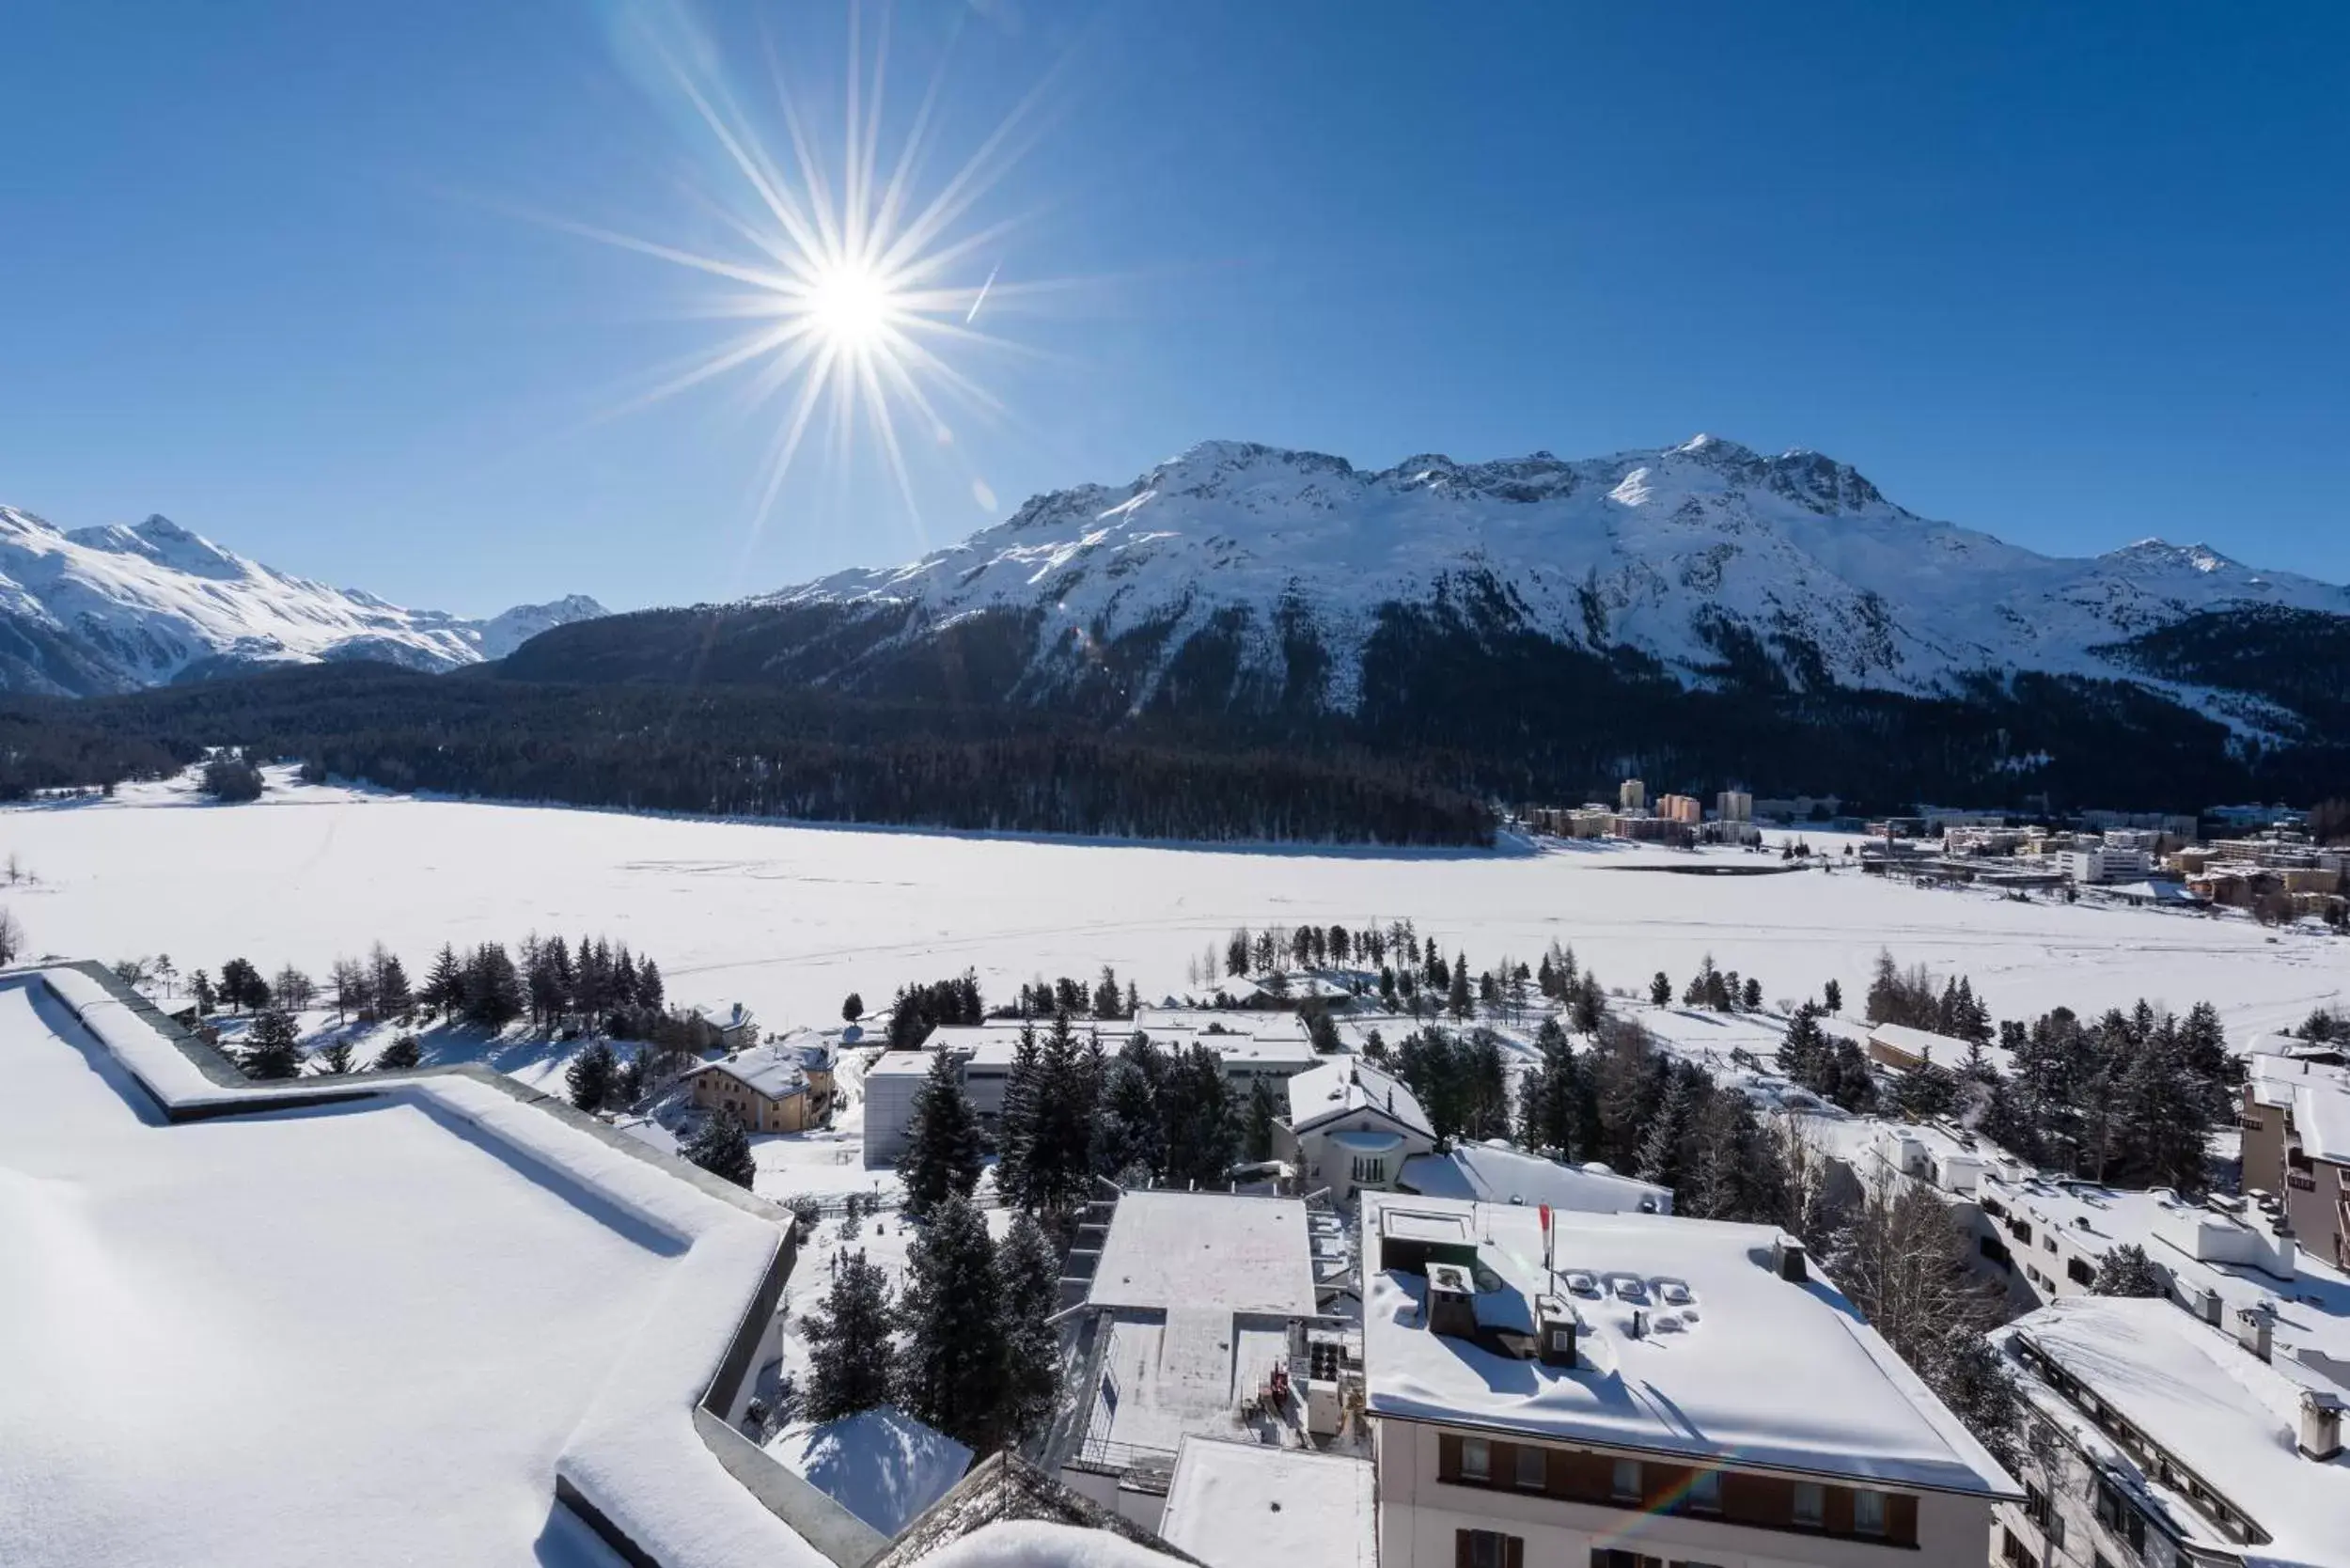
[1451, 1301]
[1555, 1322]
[1788, 1261]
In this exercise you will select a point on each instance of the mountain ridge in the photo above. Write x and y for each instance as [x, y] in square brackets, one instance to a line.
[121, 606]
[1677, 553]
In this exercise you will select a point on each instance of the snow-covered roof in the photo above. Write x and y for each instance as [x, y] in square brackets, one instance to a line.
[456, 1295]
[1496, 1173]
[774, 1071]
[2316, 1091]
[1037, 1544]
[1224, 1251]
[1943, 1050]
[1269, 1040]
[1237, 1505]
[880, 1465]
[2212, 1406]
[1751, 1368]
[1346, 1083]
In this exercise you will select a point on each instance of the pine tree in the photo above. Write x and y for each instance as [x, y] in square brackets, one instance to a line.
[592, 1076]
[628, 1085]
[1456, 998]
[334, 1058]
[1016, 1124]
[1803, 1055]
[200, 987]
[444, 984]
[1030, 1271]
[1060, 1147]
[848, 1334]
[852, 1007]
[1661, 1149]
[1257, 1122]
[1201, 1129]
[387, 978]
[1132, 1140]
[405, 1051]
[942, 1154]
[2127, 1271]
[1660, 990]
[952, 1362]
[1832, 996]
[272, 1047]
[722, 1148]
[648, 985]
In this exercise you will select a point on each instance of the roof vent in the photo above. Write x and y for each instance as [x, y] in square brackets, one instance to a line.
[1555, 1322]
[2255, 1329]
[2321, 1424]
[1788, 1260]
[1451, 1301]
[1581, 1282]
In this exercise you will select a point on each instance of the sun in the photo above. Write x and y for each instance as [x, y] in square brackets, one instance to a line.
[851, 306]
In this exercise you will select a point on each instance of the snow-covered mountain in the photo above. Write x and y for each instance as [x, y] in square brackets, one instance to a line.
[116, 609]
[1691, 554]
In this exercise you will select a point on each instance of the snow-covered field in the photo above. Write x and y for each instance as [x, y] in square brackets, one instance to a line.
[787, 920]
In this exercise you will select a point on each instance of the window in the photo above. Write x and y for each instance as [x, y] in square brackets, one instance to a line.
[1533, 1468]
[1371, 1171]
[1603, 1556]
[2080, 1272]
[1477, 1460]
[1810, 1509]
[1487, 1548]
[1626, 1485]
[1867, 1512]
[2047, 1243]
[2013, 1553]
[1705, 1492]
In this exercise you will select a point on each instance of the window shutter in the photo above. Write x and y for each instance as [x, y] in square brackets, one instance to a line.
[1463, 1553]
[1838, 1512]
[1513, 1551]
[1448, 1463]
[1900, 1520]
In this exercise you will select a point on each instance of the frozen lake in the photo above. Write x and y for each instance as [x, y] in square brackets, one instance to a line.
[787, 919]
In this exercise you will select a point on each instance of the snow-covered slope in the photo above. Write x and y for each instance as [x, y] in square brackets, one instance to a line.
[1682, 552]
[128, 605]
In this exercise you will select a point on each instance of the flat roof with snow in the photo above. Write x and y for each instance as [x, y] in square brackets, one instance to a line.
[1748, 1365]
[1236, 1505]
[1496, 1173]
[1237, 1255]
[369, 1332]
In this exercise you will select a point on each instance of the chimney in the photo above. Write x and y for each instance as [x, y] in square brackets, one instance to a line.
[2321, 1425]
[1451, 1302]
[2212, 1305]
[1556, 1325]
[2255, 1329]
[1787, 1260]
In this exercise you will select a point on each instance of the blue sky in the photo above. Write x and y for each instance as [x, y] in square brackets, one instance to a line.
[2075, 275]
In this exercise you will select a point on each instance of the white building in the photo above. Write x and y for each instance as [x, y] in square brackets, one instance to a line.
[2053, 1234]
[1635, 1389]
[1350, 1126]
[1198, 1306]
[2082, 865]
[2158, 1438]
[1254, 1043]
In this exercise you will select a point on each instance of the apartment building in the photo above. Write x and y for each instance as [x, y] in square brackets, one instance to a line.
[783, 1086]
[1630, 1391]
[2158, 1438]
[2296, 1123]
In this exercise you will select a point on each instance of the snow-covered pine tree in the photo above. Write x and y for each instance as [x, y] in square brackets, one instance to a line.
[1661, 1146]
[272, 1047]
[943, 1154]
[848, 1334]
[1060, 1152]
[591, 1077]
[405, 1051]
[1133, 1138]
[334, 1058]
[721, 1147]
[951, 1362]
